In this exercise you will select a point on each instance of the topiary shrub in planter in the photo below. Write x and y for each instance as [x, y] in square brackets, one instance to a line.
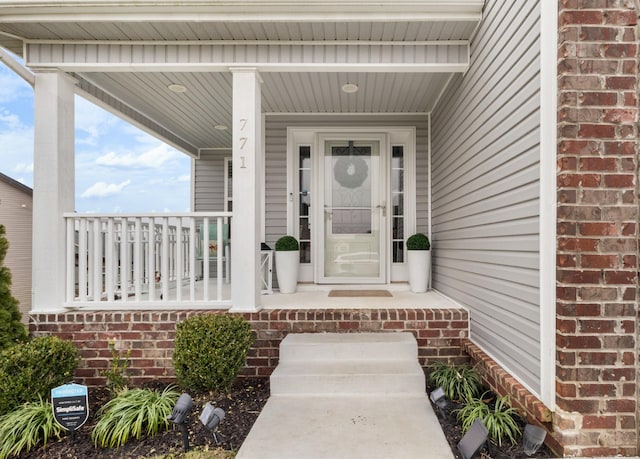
[210, 350]
[287, 262]
[419, 260]
[30, 370]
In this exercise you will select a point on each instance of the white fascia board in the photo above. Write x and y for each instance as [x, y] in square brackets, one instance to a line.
[238, 10]
[261, 67]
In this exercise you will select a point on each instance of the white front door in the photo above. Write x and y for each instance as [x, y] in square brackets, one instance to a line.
[352, 230]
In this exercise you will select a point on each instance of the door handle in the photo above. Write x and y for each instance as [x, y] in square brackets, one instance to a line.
[383, 206]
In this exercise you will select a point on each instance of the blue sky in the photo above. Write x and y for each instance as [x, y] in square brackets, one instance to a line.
[119, 168]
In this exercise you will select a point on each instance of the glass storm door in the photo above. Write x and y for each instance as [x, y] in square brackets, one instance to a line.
[353, 212]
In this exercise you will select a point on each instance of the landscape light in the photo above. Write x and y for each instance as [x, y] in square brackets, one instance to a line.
[438, 398]
[179, 416]
[473, 440]
[211, 417]
[532, 439]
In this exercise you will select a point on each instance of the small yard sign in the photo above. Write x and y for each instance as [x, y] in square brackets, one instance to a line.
[70, 405]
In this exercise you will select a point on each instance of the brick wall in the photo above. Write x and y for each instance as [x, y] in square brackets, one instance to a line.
[150, 335]
[597, 258]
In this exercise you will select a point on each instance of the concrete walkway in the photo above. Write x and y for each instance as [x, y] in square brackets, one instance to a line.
[294, 427]
[328, 403]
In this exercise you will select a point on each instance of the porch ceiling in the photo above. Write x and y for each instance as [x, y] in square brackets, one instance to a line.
[187, 119]
[207, 101]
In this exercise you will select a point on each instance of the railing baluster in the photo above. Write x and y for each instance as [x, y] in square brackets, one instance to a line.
[151, 271]
[219, 256]
[109, 247]
[138, 259]
[192, 259]
[125, 262]
[71, 263]
[205, 259]
[178, 260]
[82, 260]
[96, 244]
[164, 260]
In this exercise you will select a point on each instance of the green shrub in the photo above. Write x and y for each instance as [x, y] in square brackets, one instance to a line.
[12, 330]
[116, 373]
[30, 370]
[287, 244]
[210, 350]
[418, 242]
[132, 413]
[499, 421]
[458, 381]
[27, 426]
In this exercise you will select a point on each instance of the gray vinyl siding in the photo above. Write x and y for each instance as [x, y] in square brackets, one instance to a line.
[485, 158]
[209, 181]
[276, 160]
[16, 207]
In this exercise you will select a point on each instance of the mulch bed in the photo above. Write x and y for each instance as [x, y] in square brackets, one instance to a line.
[453, 431]
[242, 406]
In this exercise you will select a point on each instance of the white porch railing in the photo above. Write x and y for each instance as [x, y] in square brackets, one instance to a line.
[148, 260]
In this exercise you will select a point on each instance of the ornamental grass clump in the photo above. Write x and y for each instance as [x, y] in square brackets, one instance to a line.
[26, 427]
[500, 420]
[458, 381]
[210, 350]
[132, 413]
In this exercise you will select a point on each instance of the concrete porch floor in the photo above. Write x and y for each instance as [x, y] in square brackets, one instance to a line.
[312, 296]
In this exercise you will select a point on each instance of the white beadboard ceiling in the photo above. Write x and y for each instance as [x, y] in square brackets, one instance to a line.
[190, 116]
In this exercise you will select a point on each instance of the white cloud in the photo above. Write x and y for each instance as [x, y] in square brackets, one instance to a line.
[184, 178]
[12, 87]
[150, 159]
[23, 167]
[93, 121]
[102, 189]
[16, 153]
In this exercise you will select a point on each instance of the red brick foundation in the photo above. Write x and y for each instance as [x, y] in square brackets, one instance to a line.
[150, 335]
[597, 253]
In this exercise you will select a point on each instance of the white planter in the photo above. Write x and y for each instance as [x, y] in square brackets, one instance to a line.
[419, 267]
[287, 268]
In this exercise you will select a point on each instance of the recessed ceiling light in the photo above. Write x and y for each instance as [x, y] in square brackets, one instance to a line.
[220, 127]
[350, 88]
[175, 87]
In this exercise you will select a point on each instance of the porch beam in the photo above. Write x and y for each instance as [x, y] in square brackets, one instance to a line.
[53, 186]
[248, 163]
[321, 56]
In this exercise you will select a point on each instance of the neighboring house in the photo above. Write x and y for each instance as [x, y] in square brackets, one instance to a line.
[16, 204]
[506, 130]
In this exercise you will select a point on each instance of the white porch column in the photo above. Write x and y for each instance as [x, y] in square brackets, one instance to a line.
[248, 154]
[53, 185]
